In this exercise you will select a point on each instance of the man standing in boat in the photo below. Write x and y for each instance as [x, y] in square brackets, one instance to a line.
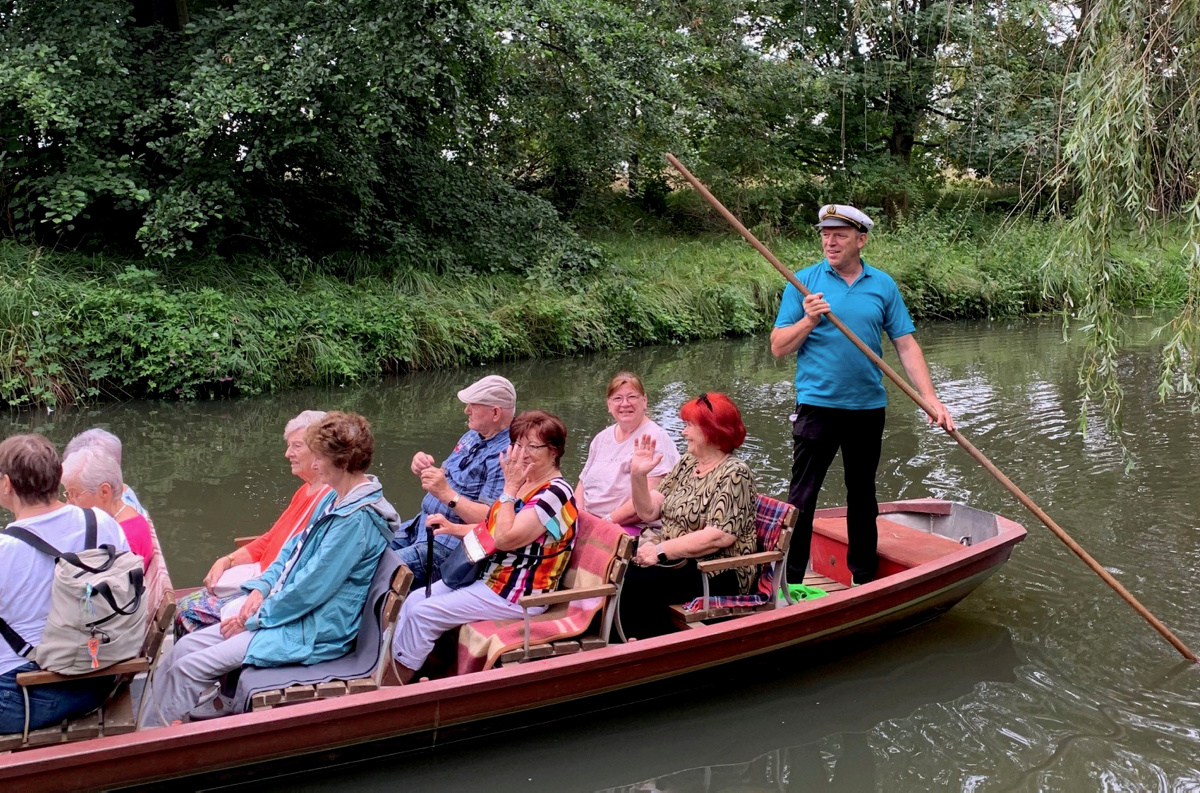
[464, 487]
[840, 397]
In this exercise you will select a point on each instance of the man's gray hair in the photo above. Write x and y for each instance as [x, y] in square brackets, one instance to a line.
[303, 421]
[91, 467]
[102, 439]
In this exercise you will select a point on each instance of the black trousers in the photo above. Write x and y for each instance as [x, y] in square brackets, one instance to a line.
[817, 434]
[649, 592]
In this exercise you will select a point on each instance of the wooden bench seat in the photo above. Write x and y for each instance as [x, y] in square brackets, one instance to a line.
[116, 716]
[389, 611]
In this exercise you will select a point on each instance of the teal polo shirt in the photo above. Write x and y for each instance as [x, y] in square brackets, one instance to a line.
[830, 370]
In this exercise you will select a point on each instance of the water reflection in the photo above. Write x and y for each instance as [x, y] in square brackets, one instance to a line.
[826, 717]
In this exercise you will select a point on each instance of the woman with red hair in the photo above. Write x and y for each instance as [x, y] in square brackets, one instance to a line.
[706, 504]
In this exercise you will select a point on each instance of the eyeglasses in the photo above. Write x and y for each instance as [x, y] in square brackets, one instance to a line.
[531, 446]
[624, 400]
[704, 399]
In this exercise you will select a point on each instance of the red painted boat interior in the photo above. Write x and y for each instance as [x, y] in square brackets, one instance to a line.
[900, 548]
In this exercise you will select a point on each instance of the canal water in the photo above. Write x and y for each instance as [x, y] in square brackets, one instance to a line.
[1042, 679]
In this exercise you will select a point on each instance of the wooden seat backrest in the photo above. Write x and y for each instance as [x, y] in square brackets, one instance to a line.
[401, 583]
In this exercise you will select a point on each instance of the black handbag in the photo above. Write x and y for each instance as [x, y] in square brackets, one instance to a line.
[458, 570]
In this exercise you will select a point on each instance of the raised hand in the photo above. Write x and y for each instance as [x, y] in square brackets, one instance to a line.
[645, 456]
[515, 469]
[421, 461]
[433, 480]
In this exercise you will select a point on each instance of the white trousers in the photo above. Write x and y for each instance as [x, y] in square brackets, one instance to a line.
[423, 620]
[195, 662]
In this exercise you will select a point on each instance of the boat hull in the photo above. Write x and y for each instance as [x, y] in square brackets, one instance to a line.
[205, 747]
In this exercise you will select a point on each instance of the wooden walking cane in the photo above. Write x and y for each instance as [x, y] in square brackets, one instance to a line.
[955, 434]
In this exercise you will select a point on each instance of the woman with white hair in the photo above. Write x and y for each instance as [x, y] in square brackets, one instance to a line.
[110, 444]
[225, 578]
[92, 478]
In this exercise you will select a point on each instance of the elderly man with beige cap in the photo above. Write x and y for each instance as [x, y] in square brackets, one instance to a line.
[839, 393]
[465, 485]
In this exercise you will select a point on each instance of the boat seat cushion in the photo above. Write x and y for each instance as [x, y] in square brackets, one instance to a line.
[596, 551]
[905, 547]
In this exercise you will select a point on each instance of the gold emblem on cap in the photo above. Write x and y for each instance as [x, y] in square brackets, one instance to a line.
[831, 211]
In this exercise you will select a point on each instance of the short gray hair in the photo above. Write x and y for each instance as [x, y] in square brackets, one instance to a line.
[101, 439]
[303, 421]
[91, 467]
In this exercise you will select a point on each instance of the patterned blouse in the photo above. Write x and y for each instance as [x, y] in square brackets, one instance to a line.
[537, 567]
[723, 498]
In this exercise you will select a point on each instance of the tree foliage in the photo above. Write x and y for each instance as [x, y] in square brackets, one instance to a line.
[459, 131]
[291, 126]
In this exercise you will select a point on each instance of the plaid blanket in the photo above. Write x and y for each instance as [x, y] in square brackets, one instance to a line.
[158, 580]
[480, 644]
[768, 524]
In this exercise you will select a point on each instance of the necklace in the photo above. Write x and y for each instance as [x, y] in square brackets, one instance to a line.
[704, 467]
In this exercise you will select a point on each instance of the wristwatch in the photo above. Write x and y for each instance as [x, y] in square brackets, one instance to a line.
[452, 503]
[505, 498]
[662, 557]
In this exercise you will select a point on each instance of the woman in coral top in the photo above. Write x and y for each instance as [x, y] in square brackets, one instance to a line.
[224, 580]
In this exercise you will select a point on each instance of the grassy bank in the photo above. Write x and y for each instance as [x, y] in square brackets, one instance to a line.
[78, 327]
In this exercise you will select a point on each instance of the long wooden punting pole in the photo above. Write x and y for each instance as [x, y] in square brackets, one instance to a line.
[955, 434]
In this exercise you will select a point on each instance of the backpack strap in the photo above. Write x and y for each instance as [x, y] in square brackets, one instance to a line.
[29, 538]
[105, 591]
[18, 645]
[73, 558]
[38, 544]
[89, 532]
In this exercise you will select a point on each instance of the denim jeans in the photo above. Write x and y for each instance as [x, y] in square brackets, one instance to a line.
[411, 542]
[48, 704]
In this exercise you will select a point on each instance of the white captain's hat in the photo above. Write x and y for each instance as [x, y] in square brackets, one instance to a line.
[844, 215]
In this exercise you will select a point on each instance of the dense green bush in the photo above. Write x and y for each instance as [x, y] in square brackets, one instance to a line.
[78, 327]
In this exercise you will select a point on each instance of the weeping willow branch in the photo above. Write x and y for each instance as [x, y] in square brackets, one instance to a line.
[1129, 157]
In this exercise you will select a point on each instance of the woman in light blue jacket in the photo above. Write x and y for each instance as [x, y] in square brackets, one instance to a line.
[307, 606]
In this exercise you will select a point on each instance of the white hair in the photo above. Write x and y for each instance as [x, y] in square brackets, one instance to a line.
[303, 421]
[91, 467]
[98, 438]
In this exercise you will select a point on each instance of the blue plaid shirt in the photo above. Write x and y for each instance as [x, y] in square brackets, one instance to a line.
[473, 470]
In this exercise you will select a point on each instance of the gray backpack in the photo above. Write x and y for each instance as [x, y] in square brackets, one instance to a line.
[97, 606]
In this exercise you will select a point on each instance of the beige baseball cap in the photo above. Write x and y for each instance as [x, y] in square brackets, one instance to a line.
[492, 390]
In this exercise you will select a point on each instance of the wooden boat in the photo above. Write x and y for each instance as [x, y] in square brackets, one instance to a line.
[933, 553]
